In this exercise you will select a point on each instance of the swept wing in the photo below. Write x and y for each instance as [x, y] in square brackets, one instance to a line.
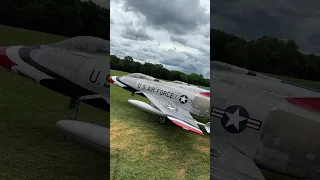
[174, 112]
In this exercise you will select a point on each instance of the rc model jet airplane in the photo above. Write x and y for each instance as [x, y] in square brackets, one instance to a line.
[175, 101]
[76, 67]
[260, 121]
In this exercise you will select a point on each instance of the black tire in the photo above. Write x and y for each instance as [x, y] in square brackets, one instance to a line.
[162, 120]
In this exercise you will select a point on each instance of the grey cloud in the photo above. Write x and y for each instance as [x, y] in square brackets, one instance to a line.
[145, 49]
[177, 39]
[192, 43]
[297, 12]
[136, 34]
[177, 16]
[314, 39]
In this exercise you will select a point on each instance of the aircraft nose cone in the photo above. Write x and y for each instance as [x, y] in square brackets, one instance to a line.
[4, 59]
[112, 79]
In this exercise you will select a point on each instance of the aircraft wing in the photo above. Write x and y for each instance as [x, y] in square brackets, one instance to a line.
[104, 97]
[227, 163]
[174, 112]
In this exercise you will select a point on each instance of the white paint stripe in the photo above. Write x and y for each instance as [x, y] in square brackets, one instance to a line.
[13, 55]
[216, 114]
[218, 110]
[253, 126]
[255, 122]
[177, 120]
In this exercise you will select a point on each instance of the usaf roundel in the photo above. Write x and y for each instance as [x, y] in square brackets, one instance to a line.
[235, 119]
[183, 99]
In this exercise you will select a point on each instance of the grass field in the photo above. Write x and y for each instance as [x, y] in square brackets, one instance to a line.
[141, 148]
[306, 83]
[31, 145]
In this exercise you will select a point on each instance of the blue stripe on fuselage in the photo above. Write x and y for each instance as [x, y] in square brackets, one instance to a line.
[129, 88]
[59, 83]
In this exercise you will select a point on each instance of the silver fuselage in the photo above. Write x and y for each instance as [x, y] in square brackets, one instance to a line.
[198, 104]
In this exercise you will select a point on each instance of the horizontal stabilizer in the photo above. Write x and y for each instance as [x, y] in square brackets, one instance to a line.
[206, 126]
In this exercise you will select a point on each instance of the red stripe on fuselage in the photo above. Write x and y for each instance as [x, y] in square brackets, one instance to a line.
[311, 103]
[111, 80]
[205, 94]
[4, 59]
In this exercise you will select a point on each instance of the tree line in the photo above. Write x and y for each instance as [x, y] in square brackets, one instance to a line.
[62, 17]
[156, 70]
[266, 54]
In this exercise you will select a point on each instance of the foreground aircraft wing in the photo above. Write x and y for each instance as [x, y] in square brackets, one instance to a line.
[227, 163]
[175, 113]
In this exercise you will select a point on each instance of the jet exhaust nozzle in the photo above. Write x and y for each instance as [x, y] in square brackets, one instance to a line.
[146, 107]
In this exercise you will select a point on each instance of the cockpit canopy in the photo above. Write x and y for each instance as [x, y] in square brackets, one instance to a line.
[143, 76]
[179, 82]
[84, 43]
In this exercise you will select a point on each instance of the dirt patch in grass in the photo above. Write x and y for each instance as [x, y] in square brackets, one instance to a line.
[181, 173]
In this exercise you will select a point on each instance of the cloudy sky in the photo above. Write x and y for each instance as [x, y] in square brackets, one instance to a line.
[175, 33]
[285, 19]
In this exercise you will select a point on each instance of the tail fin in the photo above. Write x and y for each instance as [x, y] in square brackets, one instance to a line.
[206, 126]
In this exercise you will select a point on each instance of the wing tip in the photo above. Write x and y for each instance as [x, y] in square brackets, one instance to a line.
[185, 126]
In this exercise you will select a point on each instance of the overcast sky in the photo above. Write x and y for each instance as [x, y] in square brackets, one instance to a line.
[175, 33]
[285, 19]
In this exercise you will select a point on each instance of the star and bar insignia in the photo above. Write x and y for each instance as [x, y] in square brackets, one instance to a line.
[235, 119]
[183, 99]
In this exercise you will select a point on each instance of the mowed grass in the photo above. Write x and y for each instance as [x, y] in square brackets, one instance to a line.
[10, 36]
[31, 145]
[141, 148]
[306, 83]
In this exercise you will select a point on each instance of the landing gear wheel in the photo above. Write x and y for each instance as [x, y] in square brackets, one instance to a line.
[162, 120]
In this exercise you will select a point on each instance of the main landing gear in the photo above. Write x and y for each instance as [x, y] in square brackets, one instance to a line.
[76, 105]
[151, 108]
